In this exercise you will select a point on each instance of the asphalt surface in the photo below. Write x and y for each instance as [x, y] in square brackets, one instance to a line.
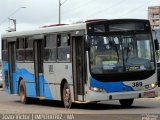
[142, 109]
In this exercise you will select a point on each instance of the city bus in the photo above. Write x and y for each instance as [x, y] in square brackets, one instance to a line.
[156, 35]
[92, 61]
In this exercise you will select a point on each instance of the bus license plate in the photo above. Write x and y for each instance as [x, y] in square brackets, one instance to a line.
[149, 94]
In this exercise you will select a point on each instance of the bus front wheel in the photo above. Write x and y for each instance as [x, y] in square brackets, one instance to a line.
[22, 93]
[126, 102]
[67, 96]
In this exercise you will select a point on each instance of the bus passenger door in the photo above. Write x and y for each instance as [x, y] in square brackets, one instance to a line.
[78, 68]
[12, 66]
[38, 67]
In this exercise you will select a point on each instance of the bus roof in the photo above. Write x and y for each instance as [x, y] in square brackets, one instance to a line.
[55, 29]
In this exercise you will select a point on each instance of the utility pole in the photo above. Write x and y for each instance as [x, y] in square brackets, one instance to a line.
[60, 4]
[59, 11]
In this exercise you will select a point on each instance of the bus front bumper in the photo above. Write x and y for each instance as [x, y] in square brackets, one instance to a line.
[103, 96]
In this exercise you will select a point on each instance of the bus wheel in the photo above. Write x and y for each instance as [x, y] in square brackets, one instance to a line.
[22, 93]
[126, 102]
[67, 96]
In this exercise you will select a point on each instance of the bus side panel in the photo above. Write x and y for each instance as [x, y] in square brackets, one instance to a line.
[14, 83]
[30, 89]
[63, 71]
[29, 80]
[54, 73]
[25, 71]
[47, 91]
[5, 68]
[41, 85]
[49, 80]
[6, 79]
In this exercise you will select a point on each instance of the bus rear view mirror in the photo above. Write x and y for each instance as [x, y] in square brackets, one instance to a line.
[156, 44]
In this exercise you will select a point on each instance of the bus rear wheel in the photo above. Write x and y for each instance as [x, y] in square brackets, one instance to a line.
[126, 102]
[67, 96]
[22, 93]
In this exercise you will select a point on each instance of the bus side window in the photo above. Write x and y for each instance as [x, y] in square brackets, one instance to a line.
[4, 44]
[64, 48]
[20, 56]
[50, 47]
[58, 40]
[4, 50]
[29, 49]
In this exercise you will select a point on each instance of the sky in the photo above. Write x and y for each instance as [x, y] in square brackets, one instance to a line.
[44, 12]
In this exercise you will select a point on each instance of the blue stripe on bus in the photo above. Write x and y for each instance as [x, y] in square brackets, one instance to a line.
[29, 80]
[110, 86]
[31, 91]
[41, 85]
[5, 67]
[47, 92]
[14, 83]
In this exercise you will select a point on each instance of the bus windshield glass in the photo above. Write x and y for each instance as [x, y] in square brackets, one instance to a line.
[121, 53]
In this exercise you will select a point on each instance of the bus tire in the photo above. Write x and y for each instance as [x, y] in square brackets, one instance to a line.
[126, 102]
[22, 93]
[67, 96]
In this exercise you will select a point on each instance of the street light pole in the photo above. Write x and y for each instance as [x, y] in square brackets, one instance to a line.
[11, 14]
[14, 20]
[60, 4]
[59, 11]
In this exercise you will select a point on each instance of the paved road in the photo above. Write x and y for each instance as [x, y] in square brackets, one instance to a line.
[111, 110]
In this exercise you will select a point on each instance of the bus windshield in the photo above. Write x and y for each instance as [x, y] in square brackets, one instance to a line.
[121, 53]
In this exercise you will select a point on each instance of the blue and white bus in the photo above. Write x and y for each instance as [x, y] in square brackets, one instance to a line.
[156, 35]
[85, 62]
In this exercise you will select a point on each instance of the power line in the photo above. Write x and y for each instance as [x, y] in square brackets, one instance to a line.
[75, 10]
[79, 6]
[11, 15]
[115, 5]
[135, 9]
[63, 2]
[110, 7]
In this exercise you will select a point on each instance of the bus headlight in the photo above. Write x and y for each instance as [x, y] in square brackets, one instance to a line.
[153, 85]
[97, 89]
[150, 86]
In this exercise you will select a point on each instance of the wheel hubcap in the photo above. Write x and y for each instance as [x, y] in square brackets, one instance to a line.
[66, 95]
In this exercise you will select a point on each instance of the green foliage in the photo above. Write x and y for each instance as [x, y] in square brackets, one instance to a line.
[159, 92]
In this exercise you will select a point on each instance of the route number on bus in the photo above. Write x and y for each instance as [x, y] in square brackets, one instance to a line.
[137, 84]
